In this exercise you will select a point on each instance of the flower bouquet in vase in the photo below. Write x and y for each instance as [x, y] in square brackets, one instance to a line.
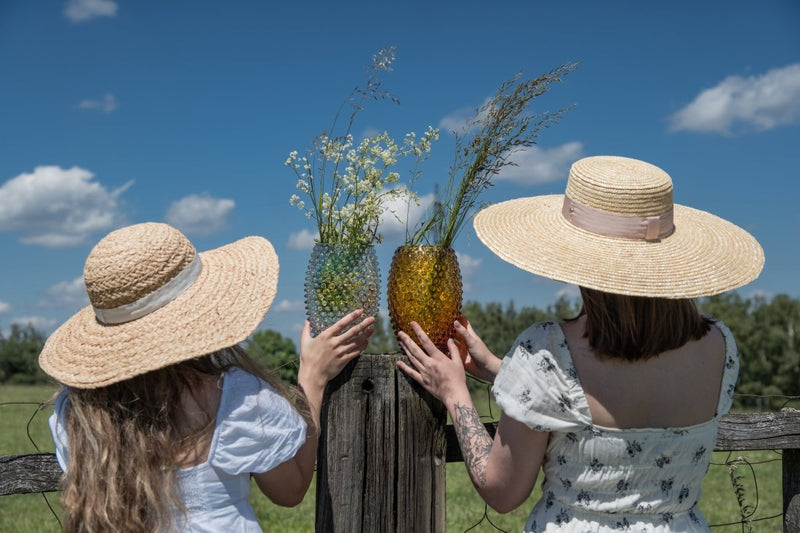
[424, 282]
[347, 184]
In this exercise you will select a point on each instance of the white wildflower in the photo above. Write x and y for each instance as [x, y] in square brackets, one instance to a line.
[346, 180]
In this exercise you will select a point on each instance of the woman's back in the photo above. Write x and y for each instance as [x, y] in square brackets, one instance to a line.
[608, 464]
[674, 389]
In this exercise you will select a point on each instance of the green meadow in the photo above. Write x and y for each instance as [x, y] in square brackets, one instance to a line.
[465, 509]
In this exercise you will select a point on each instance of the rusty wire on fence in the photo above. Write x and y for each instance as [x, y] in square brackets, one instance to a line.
[748, 503]
[39, 407]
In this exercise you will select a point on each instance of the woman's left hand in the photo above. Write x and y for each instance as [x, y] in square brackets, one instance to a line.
[440, 374]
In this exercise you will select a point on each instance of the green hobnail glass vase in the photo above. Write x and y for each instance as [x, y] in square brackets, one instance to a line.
[340, 278]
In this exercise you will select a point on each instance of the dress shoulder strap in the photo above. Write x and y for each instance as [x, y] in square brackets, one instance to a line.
[731, 371]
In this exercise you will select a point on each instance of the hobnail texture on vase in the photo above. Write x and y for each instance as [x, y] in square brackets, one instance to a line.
[425, 286]
[340, 279]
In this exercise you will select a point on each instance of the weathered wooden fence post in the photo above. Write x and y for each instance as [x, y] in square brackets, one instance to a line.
[791, 484]
[791, 490]
[381, 460]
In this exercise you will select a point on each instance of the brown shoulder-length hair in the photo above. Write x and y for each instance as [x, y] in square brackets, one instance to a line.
[637, 328]
[124, 440]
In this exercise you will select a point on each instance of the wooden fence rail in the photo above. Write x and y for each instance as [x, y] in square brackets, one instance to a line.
[737, 432]
[384, 439]
[39, 472]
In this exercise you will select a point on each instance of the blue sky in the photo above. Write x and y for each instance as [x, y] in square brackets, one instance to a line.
[118, 112]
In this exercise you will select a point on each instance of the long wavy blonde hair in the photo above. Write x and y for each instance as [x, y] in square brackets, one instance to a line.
[125, 441]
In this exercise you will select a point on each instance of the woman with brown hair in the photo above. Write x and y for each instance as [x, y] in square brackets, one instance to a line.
[164, 419]
[620, 406]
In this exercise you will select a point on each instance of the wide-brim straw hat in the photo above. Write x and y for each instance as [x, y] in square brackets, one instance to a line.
[617, 230]
[155, 301]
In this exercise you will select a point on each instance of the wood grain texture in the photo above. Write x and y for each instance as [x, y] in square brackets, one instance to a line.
[791, 490]
[421, 450]
[35, 472]
[759, 431]
[381, 463]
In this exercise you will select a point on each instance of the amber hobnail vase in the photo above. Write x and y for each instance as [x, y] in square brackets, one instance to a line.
[340, 278]
[424, 286]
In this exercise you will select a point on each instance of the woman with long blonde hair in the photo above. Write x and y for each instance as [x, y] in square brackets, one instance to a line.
[163, 419]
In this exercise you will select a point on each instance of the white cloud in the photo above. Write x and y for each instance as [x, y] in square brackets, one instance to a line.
[289, 306]
[57, 207]
[395, 212]
[107, 104]
[758, 294]
[302, 240]
[370, 132]
[4, 307]
[741, 104]
[70, 294]
[569, 291]
[458, 122]
[468, 265]
[39, 323]
[392, 221]
[83, 10]
[536, 165]
[200, 214]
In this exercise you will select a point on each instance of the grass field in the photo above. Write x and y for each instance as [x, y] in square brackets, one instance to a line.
[30, 513]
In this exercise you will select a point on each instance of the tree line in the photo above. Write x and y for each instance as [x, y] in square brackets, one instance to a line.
[765, 331]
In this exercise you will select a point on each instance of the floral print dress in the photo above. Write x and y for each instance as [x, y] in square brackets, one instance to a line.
[598, 479]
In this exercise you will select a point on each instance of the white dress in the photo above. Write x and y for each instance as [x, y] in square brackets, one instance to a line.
[598, 479]
[256, 430]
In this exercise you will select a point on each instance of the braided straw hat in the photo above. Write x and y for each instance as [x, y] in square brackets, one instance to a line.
[155, 301]
[617, 230]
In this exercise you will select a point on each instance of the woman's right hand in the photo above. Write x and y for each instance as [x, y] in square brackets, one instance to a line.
[478, 359]
[324, 356]
[441, 374]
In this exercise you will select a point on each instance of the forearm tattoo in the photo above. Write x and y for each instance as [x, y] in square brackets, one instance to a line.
[474, 440]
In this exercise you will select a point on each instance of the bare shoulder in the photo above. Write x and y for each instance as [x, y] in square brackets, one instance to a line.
[709, 350]
[715, 337]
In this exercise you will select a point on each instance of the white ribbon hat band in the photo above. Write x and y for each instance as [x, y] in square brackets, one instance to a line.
[155, 300]
[627, 227]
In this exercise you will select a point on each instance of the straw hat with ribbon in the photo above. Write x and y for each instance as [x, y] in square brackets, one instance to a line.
[617, 230]
[155, 301]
